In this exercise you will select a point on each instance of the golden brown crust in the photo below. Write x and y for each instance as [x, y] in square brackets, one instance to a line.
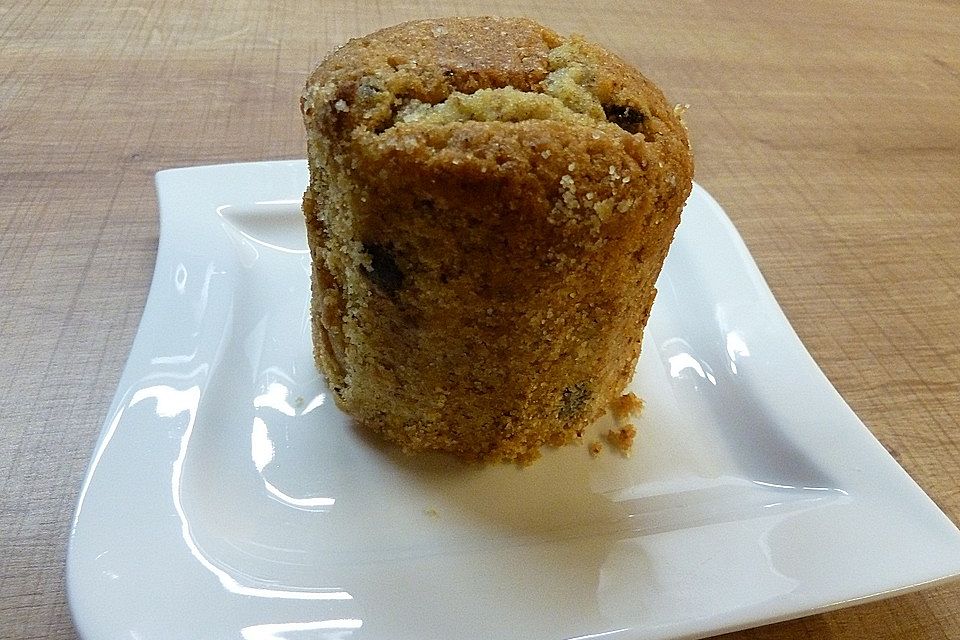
[489, 207]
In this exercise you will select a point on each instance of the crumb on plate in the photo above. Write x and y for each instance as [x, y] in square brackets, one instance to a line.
[626, 405]
[622, 439]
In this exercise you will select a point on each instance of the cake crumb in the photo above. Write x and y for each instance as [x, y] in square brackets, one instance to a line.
[622, 439]
[596, 448]
[625, 406]
[431, 513]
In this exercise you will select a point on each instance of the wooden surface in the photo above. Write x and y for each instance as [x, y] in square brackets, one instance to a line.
[830, 132]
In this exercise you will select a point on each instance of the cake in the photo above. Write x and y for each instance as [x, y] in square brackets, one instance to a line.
[489, 207]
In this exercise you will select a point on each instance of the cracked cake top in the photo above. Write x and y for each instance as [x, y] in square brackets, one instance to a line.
[484, 69]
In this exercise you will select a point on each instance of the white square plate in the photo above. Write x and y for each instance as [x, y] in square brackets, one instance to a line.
[228, 498]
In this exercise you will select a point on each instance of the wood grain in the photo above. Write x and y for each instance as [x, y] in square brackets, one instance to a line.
[828, 130]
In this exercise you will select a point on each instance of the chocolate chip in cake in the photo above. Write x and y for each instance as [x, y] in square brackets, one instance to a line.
[573, 400]
[628, 118]
[383, 271]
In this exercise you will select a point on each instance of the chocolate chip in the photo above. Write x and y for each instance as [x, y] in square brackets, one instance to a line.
[425, 204]
[383, 271]
[573, 400]
[626, 117]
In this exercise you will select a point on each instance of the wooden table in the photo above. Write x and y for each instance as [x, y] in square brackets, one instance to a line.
[830, 131]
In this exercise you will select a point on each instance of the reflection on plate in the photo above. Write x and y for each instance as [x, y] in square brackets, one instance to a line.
[228, 498]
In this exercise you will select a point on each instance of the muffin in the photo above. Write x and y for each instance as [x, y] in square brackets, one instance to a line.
[489, 208]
